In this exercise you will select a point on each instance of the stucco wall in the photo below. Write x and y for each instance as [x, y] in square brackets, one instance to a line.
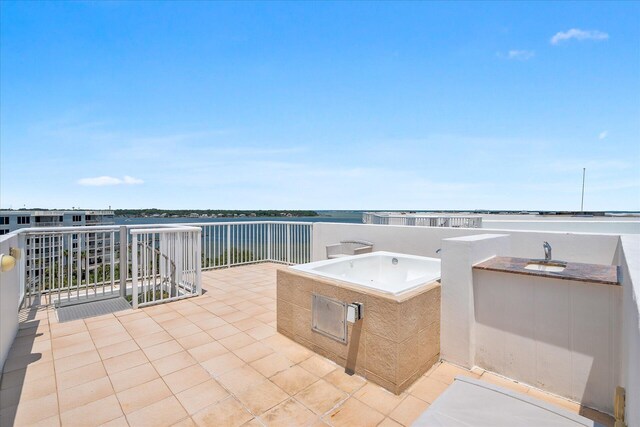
[424, 241]
[9, 296]
[557, 335]
[630, 346]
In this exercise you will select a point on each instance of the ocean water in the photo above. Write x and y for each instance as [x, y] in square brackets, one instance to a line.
[354, 217]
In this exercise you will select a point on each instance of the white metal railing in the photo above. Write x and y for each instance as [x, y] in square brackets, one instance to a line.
[225, 244]
[66, 265]
[424, 220]
[165, 264]
[70, 264]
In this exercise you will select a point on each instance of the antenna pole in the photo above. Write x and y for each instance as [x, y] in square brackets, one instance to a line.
[584, 170]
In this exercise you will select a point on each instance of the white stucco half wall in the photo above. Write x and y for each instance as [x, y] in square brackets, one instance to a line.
[9, 300]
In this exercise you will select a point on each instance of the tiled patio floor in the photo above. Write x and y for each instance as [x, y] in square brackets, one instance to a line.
[215, 360]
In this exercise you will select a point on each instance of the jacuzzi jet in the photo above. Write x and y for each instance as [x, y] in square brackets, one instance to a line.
[394, 261]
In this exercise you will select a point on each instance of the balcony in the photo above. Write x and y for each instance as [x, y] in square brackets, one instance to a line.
[215, 359]
[197, 341]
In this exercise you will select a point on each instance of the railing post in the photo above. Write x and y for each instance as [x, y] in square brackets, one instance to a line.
[134, 270]
[198, 264]
[269, 241]
[228, 245]
[288, 243]
[310, 248]
[124, 260]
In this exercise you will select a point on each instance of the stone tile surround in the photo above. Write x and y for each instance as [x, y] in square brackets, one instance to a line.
[396, 342]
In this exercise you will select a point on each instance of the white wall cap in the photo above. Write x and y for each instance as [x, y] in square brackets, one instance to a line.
[476, 237]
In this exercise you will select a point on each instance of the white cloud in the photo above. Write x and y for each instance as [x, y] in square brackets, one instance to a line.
[100, 181]
[520, 55]
[578, 34]
[603, 134]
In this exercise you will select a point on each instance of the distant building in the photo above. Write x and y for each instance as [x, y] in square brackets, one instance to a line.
[94, 246]
[13, 220]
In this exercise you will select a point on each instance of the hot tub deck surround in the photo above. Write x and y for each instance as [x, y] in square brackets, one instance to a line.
[213, 360]
[396, 342]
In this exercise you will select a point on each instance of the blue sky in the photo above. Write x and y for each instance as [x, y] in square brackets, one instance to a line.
[320, 105]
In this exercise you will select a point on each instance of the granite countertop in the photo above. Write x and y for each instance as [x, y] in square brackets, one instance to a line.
[593, 273]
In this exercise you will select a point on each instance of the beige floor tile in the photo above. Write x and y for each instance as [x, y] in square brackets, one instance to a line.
[94, 413]
[32, 372]
[62, 329]
[320, 396]
[201, 396]
[288, 413]
[294, 379]
[261, 397]
[118, 349]
[81, 375]
[318, 365]
[194, 340]
[162, 413]
[142, 327]
[186, 378]
[207, 351]
[27, 391]
[76, 361]
[345, 382]
[118, 422]
[253, 351]
[222, 364]
[73, 349]
[240, 378]
[173, 363]
[84, 393]
[178, 322]
[378, 398]
[72, 339]
[133, 376]
[427, 389]
[183, 331]
[161, 350]
[271, 364]
[186, 422]
[29, 412]
[111, 339]
[354, 413]
[228, 413]
[246, 324]
[446, 373]
[143, 395]
[103, 332]
[236, 341]
[153, 339]
[52, 421]
[409, 410]
[261, 332]
[209, 322]
[124, 361]
[388, 422]
[223, 331]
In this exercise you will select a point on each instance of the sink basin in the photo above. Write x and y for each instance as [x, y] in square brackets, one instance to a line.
[547, 266]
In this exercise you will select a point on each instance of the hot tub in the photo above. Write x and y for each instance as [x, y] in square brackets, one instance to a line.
[386, 272]
[397, 338]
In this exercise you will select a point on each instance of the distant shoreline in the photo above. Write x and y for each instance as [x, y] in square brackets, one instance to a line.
[211, 213]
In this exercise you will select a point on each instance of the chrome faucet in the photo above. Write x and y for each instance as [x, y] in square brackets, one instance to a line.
[547, 251]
